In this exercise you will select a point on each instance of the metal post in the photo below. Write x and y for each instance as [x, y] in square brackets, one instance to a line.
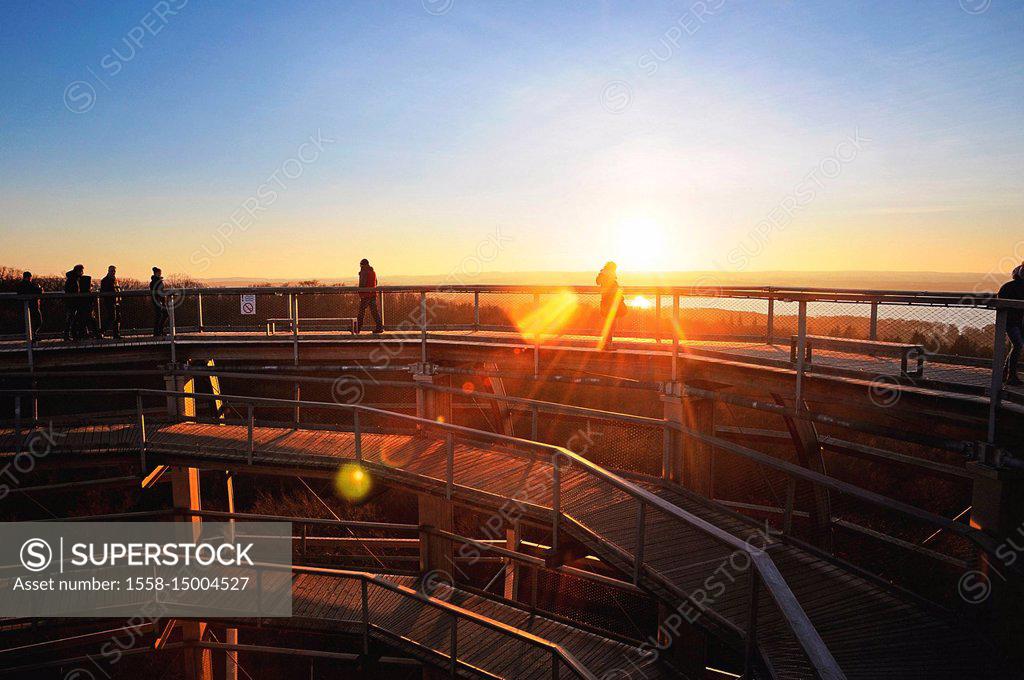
[657, 318]
[142, 432]
[476, 310]
[641, 528]
[380, 308]
[169, 300]
[449, 476]
[873, 334]
[28, 336]
[996, 386]
[366, 616]
[199, 311]
[801, 347]
[751, 651]
[769, 336]
[675, 337]
[423, 326]
[787, 517]
[295, 330]
[358, 436]
[251, 425]
[556, 500]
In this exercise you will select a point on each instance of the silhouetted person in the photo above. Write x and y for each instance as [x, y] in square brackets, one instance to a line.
[368, 298]
[159, 299]
[110, 305]
[1014, 290]
[612, 304]
[29, 287]
[85, 318]
[71, 304]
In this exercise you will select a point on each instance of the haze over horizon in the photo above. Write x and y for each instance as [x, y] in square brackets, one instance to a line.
[529, 136]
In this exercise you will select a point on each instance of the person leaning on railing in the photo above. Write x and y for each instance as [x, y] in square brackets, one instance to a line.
[29, 287]
[1014, 290]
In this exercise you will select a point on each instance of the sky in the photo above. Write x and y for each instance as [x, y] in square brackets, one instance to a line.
[456, 137]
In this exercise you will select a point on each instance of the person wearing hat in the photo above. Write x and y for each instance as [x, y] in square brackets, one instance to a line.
[368, 298]
[1014, 290]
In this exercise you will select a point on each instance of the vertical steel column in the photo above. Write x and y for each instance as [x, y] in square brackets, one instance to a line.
[29, 337]
[170, 302]
[294, 313]
[769, 335]
[476, 310]
[675, 337]
[873, 334]
[199, 311]
[423, 326]
[996, 385]
[801, 348]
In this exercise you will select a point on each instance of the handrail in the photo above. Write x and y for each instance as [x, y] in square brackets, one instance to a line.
[791, 610]
[457, 612]
[952, 298]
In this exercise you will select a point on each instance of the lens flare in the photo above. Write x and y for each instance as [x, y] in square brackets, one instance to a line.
[548, 319]
[640, 302]
[352, 482]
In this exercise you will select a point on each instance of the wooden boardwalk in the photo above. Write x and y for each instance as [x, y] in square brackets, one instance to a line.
[870, 631]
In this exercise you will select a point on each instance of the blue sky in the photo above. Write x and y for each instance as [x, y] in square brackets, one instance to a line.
[544, 122]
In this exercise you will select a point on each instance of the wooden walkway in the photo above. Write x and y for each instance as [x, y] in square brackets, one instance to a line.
[871, 632]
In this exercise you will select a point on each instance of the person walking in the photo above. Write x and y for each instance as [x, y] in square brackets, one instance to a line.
[110, 304]
[29, 287]
[1014, 290]
[368, 298]
[158, 297]
[612, 304]
[71, 304]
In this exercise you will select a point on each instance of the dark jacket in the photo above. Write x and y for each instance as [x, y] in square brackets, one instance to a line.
[29, 288]
[71, 282]
[156, 288]
[1013, 290]
[108, 284]
[367, 279]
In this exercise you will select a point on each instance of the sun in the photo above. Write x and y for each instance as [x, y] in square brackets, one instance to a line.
[639, 244]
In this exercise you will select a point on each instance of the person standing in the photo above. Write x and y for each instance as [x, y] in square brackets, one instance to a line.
[85, 320]
[70, 303]
[110, 304]
[29, 287]
[1014, 290]
[612, 304]
[368, 298]
[159, 299]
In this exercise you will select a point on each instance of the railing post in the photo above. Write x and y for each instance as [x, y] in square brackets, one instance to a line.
[199, 311]
[801, 348]
[476, 310]
[358, 436]
[556, 501]
[751, 647]
[29, 338]
[169, 301]
[657, 318]
[423, 326]
[641, 529]
[251, 424]
[449, 473]
[295, 329]
[365, 600]
[675, 337]
[873, 333]
[996, 385]
[769, 335]
[142, 432]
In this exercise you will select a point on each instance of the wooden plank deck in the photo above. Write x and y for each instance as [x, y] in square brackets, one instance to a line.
[871, 632]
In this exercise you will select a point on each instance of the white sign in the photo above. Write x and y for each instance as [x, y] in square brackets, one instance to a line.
[248, 303]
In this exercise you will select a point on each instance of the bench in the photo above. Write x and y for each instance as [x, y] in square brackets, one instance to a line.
[272, 323]
[905, 352]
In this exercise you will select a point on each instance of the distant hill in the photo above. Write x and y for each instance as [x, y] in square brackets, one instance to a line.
[930, 281]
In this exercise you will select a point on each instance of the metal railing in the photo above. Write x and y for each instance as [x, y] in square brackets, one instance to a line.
[763, 575]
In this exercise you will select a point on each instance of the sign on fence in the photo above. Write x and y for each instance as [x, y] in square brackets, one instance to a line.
[248, 302]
